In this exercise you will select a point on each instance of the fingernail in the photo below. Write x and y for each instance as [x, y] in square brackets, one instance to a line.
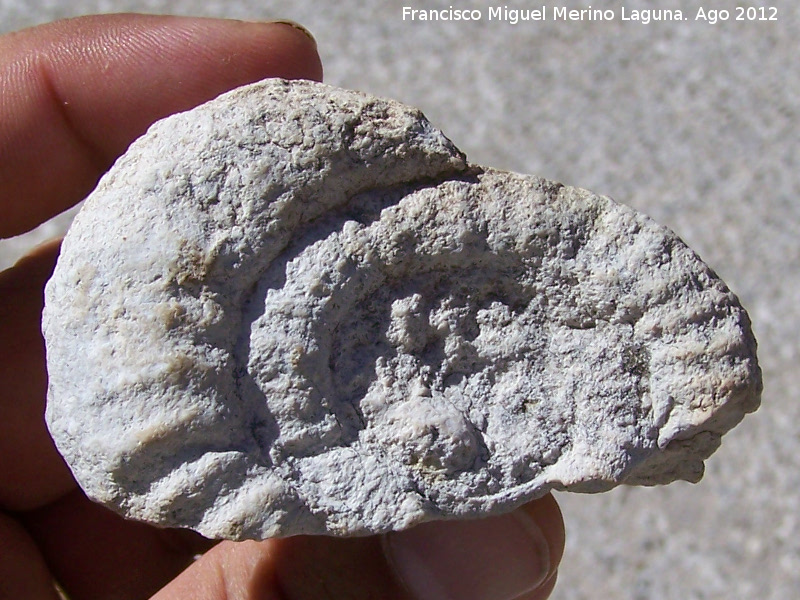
[497, 558]
[297, 26]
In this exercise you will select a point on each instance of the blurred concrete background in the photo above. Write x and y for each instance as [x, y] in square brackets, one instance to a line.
[692, 123]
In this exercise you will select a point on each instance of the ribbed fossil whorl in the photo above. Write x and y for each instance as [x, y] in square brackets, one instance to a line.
[298, 309]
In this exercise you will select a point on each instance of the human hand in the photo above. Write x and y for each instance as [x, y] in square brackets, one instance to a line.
[74, 94]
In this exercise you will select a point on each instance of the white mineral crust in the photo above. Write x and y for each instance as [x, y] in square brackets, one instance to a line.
[298, 309]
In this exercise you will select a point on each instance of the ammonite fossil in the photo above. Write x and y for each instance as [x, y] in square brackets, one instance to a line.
[299, 309]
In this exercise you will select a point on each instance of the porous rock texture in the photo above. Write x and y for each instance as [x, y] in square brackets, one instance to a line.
[299, 309]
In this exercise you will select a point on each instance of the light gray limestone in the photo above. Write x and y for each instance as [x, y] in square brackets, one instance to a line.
[299, 309]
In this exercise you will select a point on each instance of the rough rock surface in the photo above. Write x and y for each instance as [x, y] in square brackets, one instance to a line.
[298, 309]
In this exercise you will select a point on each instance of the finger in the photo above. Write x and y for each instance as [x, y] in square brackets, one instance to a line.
[23, 572]
[94, 553]
[513, 555]
[544, 591]
[75, 93]
[33, 472]
[508, 556]
[296, 568]
[230, 571]
[547, 515]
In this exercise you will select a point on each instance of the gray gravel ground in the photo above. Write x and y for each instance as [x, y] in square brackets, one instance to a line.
[691, 122]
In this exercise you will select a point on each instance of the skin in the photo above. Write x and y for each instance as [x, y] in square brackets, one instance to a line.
[75, 93]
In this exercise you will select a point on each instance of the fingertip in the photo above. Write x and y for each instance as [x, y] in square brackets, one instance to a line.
[514, 555]
[494, 558]
[544, 591]
[281, 48]
[308, 51]
[301, 28]
[547, 514]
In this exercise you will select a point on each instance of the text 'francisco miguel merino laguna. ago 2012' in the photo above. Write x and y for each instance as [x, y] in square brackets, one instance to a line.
[563, 13]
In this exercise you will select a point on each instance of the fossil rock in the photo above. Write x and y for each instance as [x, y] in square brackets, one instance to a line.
[298, 309]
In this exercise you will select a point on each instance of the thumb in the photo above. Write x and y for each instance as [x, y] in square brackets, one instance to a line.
[509, 557]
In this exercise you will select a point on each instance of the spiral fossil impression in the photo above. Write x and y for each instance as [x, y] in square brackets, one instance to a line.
[298, 309]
